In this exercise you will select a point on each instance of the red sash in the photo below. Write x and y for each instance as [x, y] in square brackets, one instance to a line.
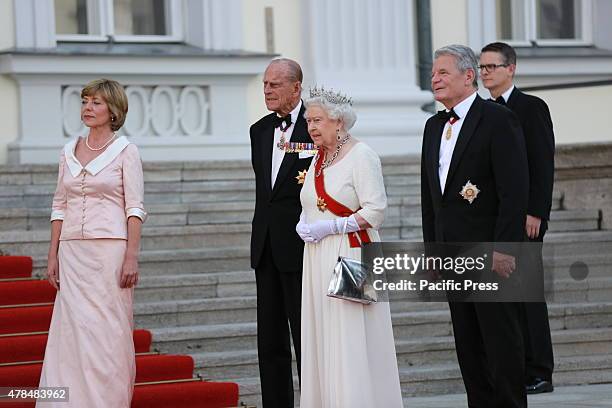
[335, 207]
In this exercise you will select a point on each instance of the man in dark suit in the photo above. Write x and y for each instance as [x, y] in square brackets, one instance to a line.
[276, 249]
[474, 188]
[498, 65]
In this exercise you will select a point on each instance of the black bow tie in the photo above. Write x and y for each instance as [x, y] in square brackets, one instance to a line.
[278, 122]
[500, 100]
[446, 116]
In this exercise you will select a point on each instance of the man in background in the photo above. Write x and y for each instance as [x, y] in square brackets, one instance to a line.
[497, 67]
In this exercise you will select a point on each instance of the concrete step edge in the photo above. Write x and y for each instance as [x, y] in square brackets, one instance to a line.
[181, 280]
[195, 305]
[162, 334]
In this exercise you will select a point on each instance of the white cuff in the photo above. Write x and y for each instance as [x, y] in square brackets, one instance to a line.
[351, 225]
[136, 212]
[57, 215]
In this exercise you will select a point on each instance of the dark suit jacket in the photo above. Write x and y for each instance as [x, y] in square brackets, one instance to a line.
[277, 211]
[490, 152]
[537, 127]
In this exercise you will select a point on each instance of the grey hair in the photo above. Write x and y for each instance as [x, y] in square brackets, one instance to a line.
[343, 111]
[464, 59]
[293, 69]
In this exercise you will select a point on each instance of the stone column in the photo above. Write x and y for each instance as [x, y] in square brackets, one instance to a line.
[214, 25]
[34, 24]
[366, 48]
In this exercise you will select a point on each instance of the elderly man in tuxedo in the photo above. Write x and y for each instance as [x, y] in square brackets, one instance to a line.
[477, 146]
[497, 67]
[276, 249]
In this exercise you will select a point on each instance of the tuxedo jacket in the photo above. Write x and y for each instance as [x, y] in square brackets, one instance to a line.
[490, 153]
[537, 128]
[277, 210]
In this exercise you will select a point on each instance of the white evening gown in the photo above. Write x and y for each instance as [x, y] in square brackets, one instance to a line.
[348, 351]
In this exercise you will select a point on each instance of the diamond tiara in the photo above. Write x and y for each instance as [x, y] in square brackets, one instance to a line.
[330, 96]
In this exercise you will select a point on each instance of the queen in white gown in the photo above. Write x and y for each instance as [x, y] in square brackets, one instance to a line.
[348, 350]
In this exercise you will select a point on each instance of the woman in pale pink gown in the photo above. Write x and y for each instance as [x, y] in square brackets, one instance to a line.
[96, 223]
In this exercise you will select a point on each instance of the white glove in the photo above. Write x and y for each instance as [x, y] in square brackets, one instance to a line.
[302, 229]
[322, 228]
[318, 230]
[351, 226]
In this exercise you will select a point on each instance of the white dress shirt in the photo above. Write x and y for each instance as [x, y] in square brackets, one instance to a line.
[277, 154]
[447, 147]
[506, 95]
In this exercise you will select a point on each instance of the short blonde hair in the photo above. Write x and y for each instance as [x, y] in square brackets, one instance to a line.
[113, 94]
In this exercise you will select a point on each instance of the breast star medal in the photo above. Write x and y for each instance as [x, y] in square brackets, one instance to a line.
[301, 177]
[321, 204]
[469, 192]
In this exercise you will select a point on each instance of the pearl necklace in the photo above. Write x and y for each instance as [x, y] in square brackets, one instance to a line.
[326, 163]
[103, 146]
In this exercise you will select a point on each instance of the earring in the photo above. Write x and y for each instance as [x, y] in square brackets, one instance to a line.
[338, 134]
[112, 118]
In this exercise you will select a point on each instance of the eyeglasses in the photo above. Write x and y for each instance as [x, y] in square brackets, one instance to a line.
[491, 67]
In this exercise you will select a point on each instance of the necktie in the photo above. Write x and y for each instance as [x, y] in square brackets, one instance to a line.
[278, 122]
[500, 100]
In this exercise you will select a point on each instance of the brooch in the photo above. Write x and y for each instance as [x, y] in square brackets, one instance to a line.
[321, 204]
[301, 177]
[469, 192]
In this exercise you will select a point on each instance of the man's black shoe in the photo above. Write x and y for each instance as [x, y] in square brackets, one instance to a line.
[539, 386]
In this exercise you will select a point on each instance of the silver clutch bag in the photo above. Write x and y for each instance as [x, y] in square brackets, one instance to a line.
[351, 281]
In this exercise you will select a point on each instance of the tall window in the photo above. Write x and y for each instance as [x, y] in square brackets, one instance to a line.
[75, 17]
[544, 22]
[559, 19]
[510, 20]
[125, 20]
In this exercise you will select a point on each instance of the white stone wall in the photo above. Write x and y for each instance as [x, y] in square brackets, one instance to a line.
[357, 46]
[449, 22]
[187, 108]
[181, 108]
[287, 41]
[367, 49]
[579, 114]
[9, 114]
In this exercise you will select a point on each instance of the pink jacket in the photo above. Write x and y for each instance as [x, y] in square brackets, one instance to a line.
[95, 201]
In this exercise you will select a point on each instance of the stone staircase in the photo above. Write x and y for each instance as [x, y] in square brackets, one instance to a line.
[197, 293]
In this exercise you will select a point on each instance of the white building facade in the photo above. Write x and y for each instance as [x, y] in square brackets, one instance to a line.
[192, 68]
[564, 52]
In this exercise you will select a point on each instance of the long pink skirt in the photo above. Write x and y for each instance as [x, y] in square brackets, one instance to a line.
[91, 348]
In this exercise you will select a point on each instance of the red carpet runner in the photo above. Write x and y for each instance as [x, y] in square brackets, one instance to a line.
[26, 305]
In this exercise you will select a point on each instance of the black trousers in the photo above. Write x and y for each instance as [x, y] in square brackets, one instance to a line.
[279, 300]
[490, 351]
[539, 358]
